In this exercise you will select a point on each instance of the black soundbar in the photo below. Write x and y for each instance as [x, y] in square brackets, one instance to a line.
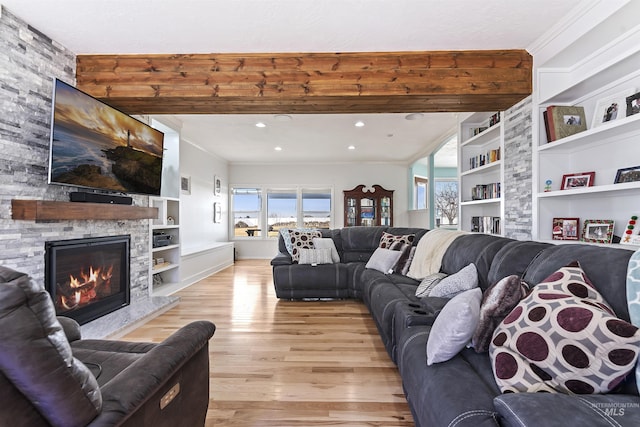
[81, 196]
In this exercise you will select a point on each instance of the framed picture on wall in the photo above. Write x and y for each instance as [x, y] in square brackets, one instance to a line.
[185, 184]
[217, 185]
[217, 213]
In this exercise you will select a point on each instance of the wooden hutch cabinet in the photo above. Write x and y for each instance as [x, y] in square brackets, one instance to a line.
[368, 206]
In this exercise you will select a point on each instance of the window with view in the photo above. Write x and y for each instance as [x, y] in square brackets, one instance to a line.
[316, 208]
[247, 208]
[281, 208]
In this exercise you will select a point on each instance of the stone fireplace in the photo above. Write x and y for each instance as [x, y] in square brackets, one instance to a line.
[89, 277]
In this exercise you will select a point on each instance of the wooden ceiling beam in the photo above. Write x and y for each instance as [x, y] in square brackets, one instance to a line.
[371, 82]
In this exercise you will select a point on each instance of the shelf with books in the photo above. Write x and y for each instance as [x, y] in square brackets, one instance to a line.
[595, 72]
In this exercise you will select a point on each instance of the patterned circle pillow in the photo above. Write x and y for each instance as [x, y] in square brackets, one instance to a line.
[301, 240]
[388, 239]
[563, 337]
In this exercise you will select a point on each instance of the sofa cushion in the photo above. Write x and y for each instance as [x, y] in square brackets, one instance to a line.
[427, 284]
[315, 256]
[389, 239]
[36, 356]
[301, 239]
[450, 286]
[497, 302]
[383, 260]
[563, 337]
[327, 243]
[633, 298]
[407, 252]
[454, 326]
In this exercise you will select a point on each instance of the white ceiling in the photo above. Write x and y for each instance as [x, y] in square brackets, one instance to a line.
[236, 26]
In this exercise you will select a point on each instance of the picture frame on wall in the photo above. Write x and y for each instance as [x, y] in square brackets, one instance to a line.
[631, 174]
[611, 108]
[565, 229]
[598, 230]
[185, 184]
[578, 180]
[633, 104]
[217, 185]
[217, 212]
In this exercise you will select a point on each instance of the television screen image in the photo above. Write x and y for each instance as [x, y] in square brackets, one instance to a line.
[97, 146]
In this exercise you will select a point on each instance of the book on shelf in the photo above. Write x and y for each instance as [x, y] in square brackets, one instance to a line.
[561, 121]
[486, 191]
[484, 159]
[485, 224]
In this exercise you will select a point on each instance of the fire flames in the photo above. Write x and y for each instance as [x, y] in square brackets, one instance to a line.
[85, 288]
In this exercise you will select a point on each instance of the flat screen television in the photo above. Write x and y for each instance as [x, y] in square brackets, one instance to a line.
[96, 146]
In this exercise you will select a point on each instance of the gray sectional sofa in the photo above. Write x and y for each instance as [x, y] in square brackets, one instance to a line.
[463, 390]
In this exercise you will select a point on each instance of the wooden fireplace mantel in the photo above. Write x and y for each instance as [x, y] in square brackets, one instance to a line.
[40, 210]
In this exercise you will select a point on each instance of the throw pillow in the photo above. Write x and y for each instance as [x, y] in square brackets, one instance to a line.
[301, 239]
[633, 298]
[498, 301]
[383, 260]
[36, 356]
[450, 286]
[388, 239]
[454, 326]
[406, 255]
[427, 284]
[315, 256]
[327, 243]
[563, 337]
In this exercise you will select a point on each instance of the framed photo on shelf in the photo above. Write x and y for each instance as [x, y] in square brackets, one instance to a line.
[627, 175]
[578, 180]
[633, 104]
[631, 232]
[611, 108]
[563, 121]
[565, 229]
[598, 230]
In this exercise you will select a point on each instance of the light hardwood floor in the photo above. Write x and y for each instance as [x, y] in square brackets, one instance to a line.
[285, 363]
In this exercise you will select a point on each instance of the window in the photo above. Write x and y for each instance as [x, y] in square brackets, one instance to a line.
[247, 208]
[446, 201]
[281, 208]
[316, 208]
[421, 187]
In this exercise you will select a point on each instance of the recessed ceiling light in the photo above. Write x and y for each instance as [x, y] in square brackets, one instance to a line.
[282, 117]
[351, 147]
[278, 148]
[261, 125]
[359, 123]
[414, 116]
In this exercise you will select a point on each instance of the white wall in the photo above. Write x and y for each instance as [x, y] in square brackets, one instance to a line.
[197, 230]
[339, 177]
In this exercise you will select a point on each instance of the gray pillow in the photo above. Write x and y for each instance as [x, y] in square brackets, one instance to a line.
[454, 326]
[315, 256]
[327, 243]
[450, 286]
[427, 284]
[383, 260]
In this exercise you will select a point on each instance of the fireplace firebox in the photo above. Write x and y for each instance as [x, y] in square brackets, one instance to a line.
[88, 278]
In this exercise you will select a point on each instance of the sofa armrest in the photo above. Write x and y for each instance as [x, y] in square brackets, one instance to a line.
[555, 409]
[141, 381]
[282, 259]
[71, 328]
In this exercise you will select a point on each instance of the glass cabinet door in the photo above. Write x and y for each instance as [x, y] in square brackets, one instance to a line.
[352, 213]
[368, 212]
[385, 211]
